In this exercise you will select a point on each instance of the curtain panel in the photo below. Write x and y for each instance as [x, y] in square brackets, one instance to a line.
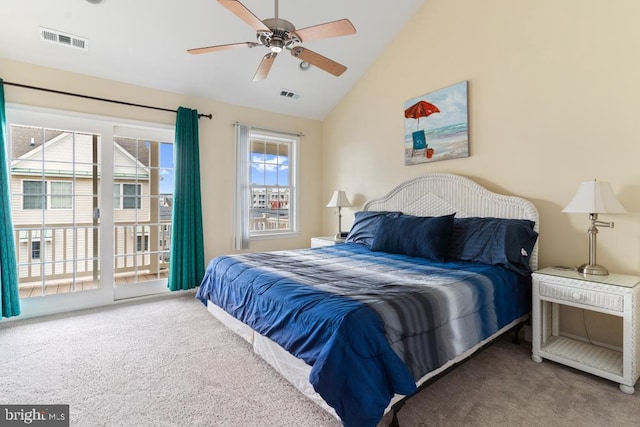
[187, 247]
[241, 209]
[8, 264]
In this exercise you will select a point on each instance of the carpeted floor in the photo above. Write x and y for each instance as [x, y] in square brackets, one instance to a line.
[168, 362]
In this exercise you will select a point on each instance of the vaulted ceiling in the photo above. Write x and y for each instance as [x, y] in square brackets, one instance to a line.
[144, 42]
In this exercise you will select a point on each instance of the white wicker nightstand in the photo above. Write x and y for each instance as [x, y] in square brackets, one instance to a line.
[317, 242]
[615, 294]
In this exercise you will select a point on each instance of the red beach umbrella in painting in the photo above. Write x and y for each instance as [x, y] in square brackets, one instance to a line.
[420, 109]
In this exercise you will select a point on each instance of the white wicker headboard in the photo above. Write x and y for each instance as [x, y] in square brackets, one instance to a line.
[442, 194]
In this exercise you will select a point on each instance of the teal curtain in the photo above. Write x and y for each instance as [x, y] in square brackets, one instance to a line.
[187, 248]
[8, 264]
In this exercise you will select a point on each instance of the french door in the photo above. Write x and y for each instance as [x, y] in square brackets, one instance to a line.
[91, 215]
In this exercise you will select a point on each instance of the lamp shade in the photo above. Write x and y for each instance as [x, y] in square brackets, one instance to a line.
[338, 200]
[594, 197]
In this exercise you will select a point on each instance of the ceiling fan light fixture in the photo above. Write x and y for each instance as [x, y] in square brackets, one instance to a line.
[276, 45]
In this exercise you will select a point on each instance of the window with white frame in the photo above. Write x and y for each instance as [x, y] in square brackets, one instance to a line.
[61, 193]
[35, 250]
[47, 194]
[270, 191]
[33, 194]
[142, 243]
[127, 196]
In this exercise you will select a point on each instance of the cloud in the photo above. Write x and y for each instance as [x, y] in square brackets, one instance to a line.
[274, 164]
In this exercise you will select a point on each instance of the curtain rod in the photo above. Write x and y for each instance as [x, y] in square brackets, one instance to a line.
[95, 98]
[269, 130]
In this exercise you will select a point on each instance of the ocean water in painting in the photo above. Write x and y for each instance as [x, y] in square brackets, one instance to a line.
[448, 142]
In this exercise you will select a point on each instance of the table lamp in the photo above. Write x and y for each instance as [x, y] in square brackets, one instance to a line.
[594, 197]
[339, 200]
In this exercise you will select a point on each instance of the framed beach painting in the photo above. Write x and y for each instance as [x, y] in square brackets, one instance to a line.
[436, 126]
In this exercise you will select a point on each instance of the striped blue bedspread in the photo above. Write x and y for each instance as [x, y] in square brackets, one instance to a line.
[370, 324]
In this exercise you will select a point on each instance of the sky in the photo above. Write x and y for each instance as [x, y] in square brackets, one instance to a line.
[166, 168]
[269, 169]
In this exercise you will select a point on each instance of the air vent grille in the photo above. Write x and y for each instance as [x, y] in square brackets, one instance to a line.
[57, 37]
[289, 94]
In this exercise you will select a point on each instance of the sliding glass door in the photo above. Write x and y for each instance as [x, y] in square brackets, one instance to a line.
[142, 209]
[87, 234]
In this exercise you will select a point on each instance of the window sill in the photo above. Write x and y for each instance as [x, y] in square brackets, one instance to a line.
[272, 235]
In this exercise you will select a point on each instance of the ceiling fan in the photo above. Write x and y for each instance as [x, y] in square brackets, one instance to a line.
[279, 34]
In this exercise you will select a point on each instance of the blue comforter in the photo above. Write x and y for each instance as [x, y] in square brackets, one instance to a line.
[370, 324]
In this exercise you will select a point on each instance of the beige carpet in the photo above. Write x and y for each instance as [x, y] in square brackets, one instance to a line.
[168, 362]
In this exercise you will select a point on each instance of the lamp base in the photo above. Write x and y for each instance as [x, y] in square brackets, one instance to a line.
[593, 270]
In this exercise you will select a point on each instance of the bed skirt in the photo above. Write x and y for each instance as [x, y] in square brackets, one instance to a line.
[296, 371]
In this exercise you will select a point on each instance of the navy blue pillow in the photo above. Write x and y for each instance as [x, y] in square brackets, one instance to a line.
[494, 241]
[365, 226]
[425, 237]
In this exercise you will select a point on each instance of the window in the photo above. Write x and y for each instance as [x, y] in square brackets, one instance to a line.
[139, 246]
[35, 250]
[127, 196]
[267, 160]
[61, 195]
[131, 196]
[33, 194]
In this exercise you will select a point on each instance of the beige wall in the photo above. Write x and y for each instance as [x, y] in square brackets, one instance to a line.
[553, 101]
[216, 142]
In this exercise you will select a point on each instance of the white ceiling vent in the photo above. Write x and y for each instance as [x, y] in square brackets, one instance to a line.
[64, 39]
[289, 94]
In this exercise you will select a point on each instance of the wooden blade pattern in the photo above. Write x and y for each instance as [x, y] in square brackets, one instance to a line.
[245, 14]
[208, 49]
[342, 27]
[315, 59]
[265, 66]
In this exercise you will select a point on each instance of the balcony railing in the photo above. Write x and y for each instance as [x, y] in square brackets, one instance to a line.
[64, 258]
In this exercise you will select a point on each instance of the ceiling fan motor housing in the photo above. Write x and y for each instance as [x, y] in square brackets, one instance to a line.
[281, 35]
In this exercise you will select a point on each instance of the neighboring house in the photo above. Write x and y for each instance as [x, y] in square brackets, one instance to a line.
[269, 209]
[270, 198]
[55, 183]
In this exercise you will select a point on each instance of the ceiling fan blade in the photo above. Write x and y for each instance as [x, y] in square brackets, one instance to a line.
[265, 65]
[342, 27]
[208, 49]
[245, 14]
[322, 62]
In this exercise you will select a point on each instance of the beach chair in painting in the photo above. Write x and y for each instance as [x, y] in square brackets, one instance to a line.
[419, 142]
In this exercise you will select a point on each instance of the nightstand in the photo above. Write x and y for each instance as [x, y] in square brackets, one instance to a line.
[318, 242]
[615, 294]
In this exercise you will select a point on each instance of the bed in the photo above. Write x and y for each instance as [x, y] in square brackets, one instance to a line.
[430, 273]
